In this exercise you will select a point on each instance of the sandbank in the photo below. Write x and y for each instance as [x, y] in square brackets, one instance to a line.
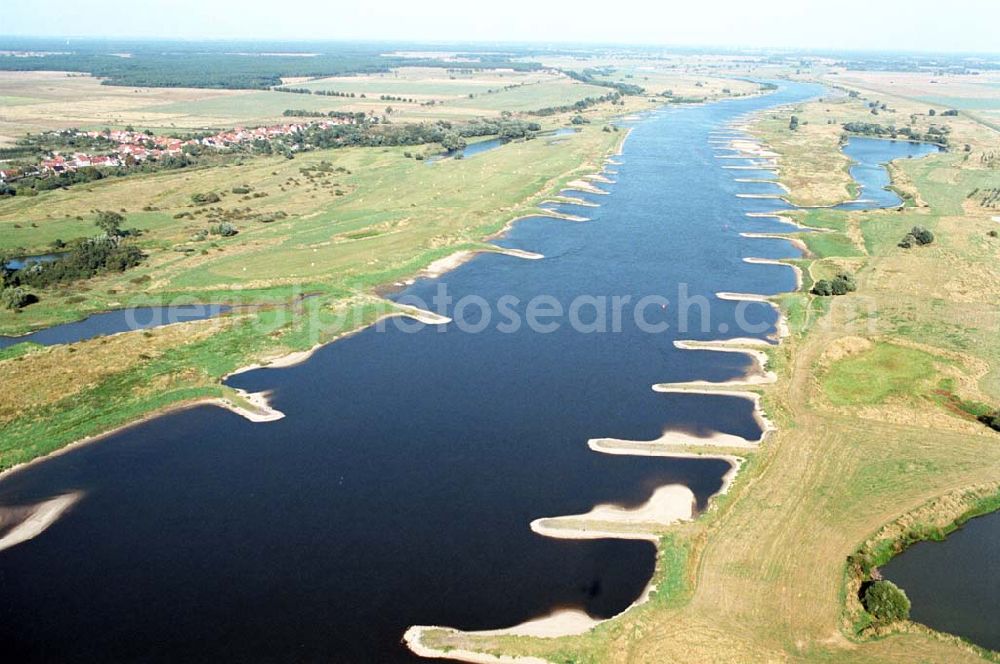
[668, 505]
[798, 243]
[38, 520]
[774, 261]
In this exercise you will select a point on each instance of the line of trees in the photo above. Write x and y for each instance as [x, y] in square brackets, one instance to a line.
[934, 134]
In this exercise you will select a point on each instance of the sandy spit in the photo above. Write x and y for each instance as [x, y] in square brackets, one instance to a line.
[742, 390]
[41, 517]
[658, 448]
[798, 243]
[448, 263]
[570, 200]
[413, 638]
[770, 169]
[668, 505]
[584, 186]
[785, 220]
[782, 325]
[773, 261]
[776, 183]
[777, 197]
[745, 346]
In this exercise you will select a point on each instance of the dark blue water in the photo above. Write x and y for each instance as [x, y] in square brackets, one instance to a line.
[113, 322]
[400, 487]
[953, 584]
[869, 156]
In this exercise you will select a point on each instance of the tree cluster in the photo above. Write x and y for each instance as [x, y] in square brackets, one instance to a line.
[842, 284]
[917, 237]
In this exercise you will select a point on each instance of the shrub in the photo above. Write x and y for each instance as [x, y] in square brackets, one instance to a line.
[16, 298]
[922, 235]
[886, 602]
[241, 190]
[225, 229]
[205, 198]
[823, 288]
[991, 420]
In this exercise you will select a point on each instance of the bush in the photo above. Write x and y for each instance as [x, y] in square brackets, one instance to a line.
[823, 288]
[225, 229]
[16, 298]
[991, 420]
[241, 190]
[922, 235]
[205, 198]
[886, 602]
[918, 236]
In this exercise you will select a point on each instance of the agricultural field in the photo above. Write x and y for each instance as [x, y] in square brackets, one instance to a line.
[977, 93]
[39, 101]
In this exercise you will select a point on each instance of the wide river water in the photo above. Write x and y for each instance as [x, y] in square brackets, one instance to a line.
[399, 487]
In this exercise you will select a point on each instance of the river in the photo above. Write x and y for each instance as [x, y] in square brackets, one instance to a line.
[399, 488]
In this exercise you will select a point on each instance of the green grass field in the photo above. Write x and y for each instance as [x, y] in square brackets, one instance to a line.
[876, 374]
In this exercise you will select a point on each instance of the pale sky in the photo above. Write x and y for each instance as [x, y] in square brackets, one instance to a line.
[924, 25]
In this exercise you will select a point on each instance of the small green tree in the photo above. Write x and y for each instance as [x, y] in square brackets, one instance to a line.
[793, 124]
[886, 602]
[453, 141]
[109, 222]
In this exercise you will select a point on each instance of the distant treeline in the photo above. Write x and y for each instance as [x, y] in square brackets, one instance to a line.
[344, 115]
[210, 65]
